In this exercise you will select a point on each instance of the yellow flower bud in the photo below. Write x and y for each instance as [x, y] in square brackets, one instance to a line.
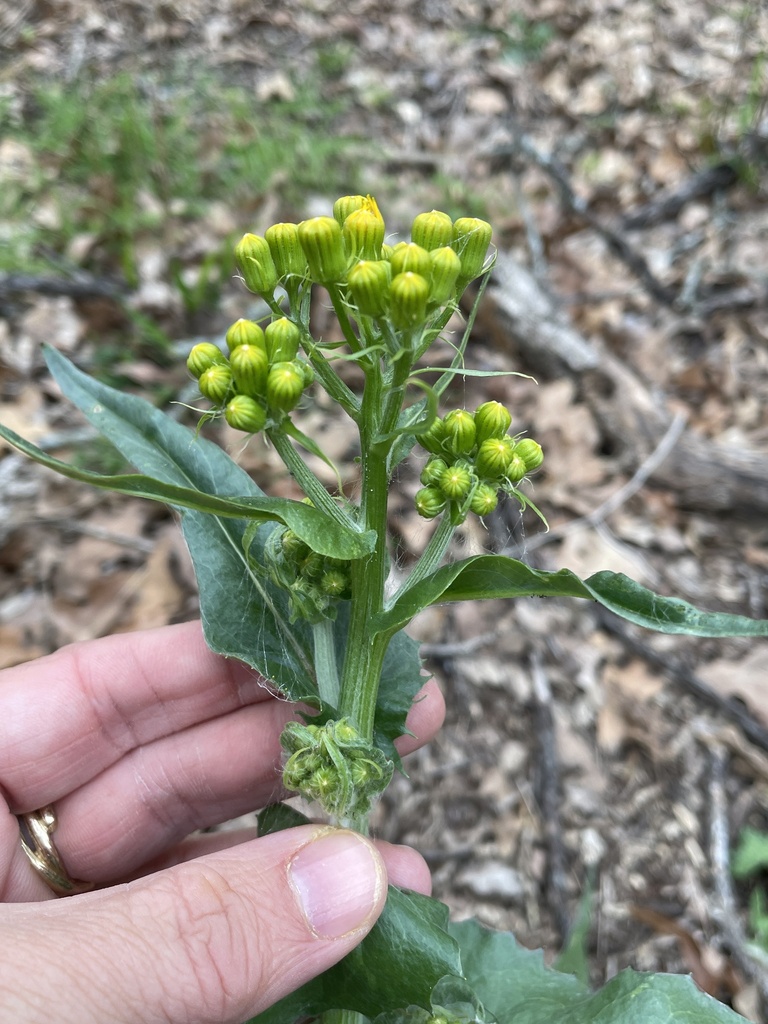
[530, 452]
[287, 254]
[363, 234]
[323, 246]
[433, 471]
[254, 259]
[202, 357]
[516, 469]
[493, 457]
[460, 431]
[432, 230]
[215, 383]
[445, 269]
[285, 384]
[244, 332]
[484, 500]
[492, 419]
[471, 238]
[346, 205]
[245, 413]
[250, 366]
[430, 502]
[456, 482]
[368, 283]
[434, 439]
[408, 295]
[282, 340]
[407, 256]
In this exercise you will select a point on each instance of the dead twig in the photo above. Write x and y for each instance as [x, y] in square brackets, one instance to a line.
[671, 202]
[80, 287]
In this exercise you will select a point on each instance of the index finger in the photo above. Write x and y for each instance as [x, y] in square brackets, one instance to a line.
[68, 716]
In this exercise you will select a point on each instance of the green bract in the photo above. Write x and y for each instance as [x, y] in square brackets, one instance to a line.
[300, 589]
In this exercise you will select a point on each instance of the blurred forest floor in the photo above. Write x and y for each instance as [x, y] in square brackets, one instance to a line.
[588, 772]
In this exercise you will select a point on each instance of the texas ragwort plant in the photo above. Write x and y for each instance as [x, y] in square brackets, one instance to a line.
[301, 590]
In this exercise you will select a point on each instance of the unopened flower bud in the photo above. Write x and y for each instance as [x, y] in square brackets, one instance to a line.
[287, 254]
[244, 332]
[368, 283]
[285, 384]
[516, 469]
[484, 500]
[249, 367]
[294, 548]
[312, 566]
[386, 251]
[429, 502]
[322, 784]
[408, 296]
[409, 256]
[432, 472]
[435, 438]
[493, 457]
[245, 413]
[334, 583]
[203, 356]
[363, 234]
[216, 383]
[471, 238]
[455, 482]
[460, 431]
[307, 371]
[444, 274]
[254, 259]
[346, 205]
[432, 230]
[530, 452]
[492, 419]
[323, 246]
[282, 340]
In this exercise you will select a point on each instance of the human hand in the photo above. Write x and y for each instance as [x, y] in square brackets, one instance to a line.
[138, 740]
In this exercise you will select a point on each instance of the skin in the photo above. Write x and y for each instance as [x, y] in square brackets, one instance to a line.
[139, 740]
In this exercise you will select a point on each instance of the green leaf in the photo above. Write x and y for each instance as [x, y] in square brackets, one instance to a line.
[401, 680]
[751, 855]
[397, 964]
[496, 576]
[517, 988]
[278, 817]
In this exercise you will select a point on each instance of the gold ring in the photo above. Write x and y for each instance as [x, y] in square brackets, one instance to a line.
[37, 830]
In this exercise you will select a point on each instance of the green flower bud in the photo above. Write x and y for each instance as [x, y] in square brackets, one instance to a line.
[250, 367]
[323, 246]
[293, 547]
[492, 419]
[429, 502]
[307, 372]
[312, 566]
[287, 254]
[471, 238]
[334, 583]
[346, 205]
[285, 384]
[446, 267]
[386, 251]
[244, 332]
[363, 234]
[530, 452]
[282, 340]
[432, 230]
[408, 296]
[203, 356]
[368, 283]
[493, 457]
[323, 784]
[460, 431]
[435, 439]
[407, 256]
[254, 260]
[216, 383]
[456, 482]
[245, 413]
[484, 500]
[432, 472]
[516, 469]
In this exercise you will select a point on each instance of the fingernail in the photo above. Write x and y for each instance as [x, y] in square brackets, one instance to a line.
[338, 880]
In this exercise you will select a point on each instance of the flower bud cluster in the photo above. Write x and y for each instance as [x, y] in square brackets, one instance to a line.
[334, 765]
[262, 378]
[406, 283]
[313, 582]
[472, 459]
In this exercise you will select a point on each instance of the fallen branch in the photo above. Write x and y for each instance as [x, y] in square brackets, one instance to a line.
[81, 287]
[669, 204]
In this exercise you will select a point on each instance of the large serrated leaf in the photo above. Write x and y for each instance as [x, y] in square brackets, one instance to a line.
[398, 963]
[496, 576]
[514, 984]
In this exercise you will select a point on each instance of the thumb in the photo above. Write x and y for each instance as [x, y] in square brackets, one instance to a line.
[214, 940]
